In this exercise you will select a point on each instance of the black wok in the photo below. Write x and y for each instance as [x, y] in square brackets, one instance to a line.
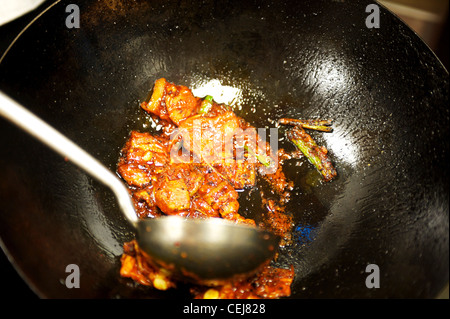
[384, 88]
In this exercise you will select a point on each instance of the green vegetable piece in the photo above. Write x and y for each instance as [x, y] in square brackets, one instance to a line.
[206, 105]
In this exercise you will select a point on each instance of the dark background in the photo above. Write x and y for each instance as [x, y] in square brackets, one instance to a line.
[11, 280]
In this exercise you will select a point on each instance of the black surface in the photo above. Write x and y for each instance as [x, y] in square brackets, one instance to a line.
[386, 91]
[14, 287]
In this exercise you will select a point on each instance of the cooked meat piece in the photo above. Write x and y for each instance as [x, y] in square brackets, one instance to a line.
[145, 203]
[135, 265]
[269, 283]
[194, 178]
[143, 156]
[201, 209]
[134, 175]
[274, 283]
[156, 105]
[210, 137]
[144, 148]
[191, 174]
[218, 193]
[221, 195]
[145, 194]
[172, 196]
[239, 173]
[174, 102]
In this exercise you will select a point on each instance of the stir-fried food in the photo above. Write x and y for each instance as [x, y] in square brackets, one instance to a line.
[317, 155]
[195, 168]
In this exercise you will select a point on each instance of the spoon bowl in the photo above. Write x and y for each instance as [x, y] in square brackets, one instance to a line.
[205, 250]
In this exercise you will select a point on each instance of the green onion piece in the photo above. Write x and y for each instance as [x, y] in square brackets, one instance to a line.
[318, 125]
[206, 104]
[315, 154]
[261, 158]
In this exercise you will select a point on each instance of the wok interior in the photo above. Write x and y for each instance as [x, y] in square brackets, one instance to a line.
[384, 89]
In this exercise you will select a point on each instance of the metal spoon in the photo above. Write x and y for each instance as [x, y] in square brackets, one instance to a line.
[205, 250]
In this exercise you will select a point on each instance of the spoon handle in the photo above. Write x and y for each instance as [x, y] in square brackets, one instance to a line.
[17, 114]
